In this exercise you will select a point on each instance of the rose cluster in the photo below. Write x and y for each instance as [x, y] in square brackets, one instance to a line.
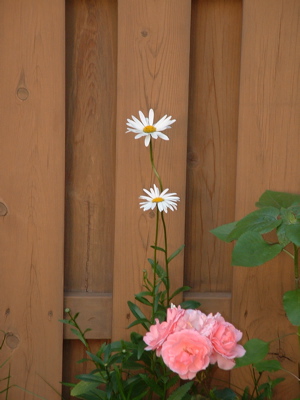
[189, 340]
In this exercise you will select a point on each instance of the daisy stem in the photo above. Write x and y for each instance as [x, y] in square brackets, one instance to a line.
[154, 267]
[166, 259]
[154, 168]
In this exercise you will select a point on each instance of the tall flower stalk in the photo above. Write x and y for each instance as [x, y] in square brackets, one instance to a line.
[157, 197]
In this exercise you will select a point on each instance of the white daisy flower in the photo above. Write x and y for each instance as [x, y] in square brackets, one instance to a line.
[146, 128]
[162, 200]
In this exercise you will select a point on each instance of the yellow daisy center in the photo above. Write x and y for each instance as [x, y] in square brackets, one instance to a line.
[157, 200]
[149, 129]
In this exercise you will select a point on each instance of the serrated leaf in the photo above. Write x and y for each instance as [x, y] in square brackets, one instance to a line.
[291, 304]
[251, 250]
[223, 232]
[181, 391]
[256, 350]
[277, 199]
[261, 221]
[293, 233]
[281, 235]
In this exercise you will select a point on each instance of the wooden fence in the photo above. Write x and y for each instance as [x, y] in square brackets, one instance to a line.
[71, 73]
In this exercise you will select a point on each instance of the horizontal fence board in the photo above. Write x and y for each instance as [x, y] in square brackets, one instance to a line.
[96, 310]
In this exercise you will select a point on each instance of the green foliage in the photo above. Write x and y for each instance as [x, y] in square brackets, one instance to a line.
[278, 212]
[291, 304]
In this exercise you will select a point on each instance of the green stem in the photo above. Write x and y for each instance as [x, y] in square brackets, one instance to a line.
[296, 266]
[297, 286]
[166, 259]
[154, 266]
[154, 168]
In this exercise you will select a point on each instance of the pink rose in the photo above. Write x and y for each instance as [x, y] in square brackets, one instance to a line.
[186, 352]
[197, 320]
[159, 332]
[224, 338]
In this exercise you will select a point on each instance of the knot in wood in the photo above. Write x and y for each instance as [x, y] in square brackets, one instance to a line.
[3, 210]
[22, 93]
[12, 341]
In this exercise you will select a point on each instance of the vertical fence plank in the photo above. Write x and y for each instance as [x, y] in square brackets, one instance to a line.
[213, 117]
[32, 112]
[90, 156]
[211, 151]
[268, 158]
[91, 45]
[153, 70]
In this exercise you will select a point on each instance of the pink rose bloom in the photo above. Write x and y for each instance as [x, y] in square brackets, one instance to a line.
[186, 352]
[191, 319]
[224, 338]
[159, 332]
[197, 320]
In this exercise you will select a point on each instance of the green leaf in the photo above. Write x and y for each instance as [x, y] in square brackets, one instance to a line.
[225, 394]
[282, 236]
[223, 232]
[251, 250]
[136, 311]
[293, 233]
[96, 359]
[79, 335]
[179, 290]
[277, 199]
[261, 221]
[152, 384]
[181, 391]
[84, 387]
[256, 350]
[176, 252]
[190, 304]
[291, 304]
[158, 248]
[140, 297]
[138, 321]
[268, 365]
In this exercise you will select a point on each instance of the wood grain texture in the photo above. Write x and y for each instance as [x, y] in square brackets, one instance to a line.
[95, 310]
[90, 154]
[91, 49]
[32, 104]
[153, 68]
[212, 140]
[268, 158]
